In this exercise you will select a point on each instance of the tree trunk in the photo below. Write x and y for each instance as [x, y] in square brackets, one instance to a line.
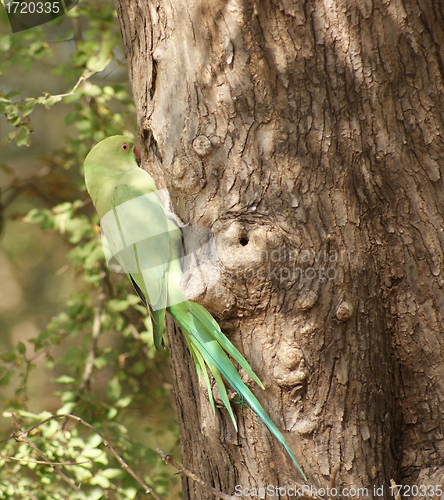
[308, 135]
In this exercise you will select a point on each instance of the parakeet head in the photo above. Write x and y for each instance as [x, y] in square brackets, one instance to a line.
[115, 153]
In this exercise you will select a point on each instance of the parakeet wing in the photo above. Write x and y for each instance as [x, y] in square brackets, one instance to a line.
[144, 232]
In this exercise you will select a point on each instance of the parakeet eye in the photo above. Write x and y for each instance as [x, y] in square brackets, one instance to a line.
[124, 147]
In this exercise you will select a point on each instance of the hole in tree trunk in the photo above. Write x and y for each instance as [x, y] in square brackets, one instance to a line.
[243, 241]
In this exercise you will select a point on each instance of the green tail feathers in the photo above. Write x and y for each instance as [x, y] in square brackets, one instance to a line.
[209, 348]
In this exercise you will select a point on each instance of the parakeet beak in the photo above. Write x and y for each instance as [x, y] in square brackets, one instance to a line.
[137, 154]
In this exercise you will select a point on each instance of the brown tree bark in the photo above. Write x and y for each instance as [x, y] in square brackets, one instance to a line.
[308, 135]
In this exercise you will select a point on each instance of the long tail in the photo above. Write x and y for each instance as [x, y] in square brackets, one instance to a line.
[208, 345]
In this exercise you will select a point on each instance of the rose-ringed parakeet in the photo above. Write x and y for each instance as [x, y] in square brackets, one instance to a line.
[147, 245]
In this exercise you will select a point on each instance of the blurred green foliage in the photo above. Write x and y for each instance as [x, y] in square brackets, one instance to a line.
[97, 352]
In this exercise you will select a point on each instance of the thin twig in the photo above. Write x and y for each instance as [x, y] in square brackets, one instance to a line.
[22, 437]
[169, 460]
[29, 461]
[79, 81]
[122, 462]
[76, 31]
[95, 336]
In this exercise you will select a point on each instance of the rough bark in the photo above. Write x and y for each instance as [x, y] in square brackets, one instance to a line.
[308, 135]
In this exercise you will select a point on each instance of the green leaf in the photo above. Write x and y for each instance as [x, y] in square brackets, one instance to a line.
[13, 93]
[93, 90]
[4, 379]
[50, 101]
[66, 408]
[95, 494]
[115, 305]
[130, 492]
[98, 63]
[94, 440]
[10, 137]
[92, 452]
[21, 347]
[102, 459]
[124, 402]
[64, 379]
[28, 108]
[36, 416]
[111, 413]
[14, 121]
[112, 473]
[100, 480]
[23, 137]
[9, 356]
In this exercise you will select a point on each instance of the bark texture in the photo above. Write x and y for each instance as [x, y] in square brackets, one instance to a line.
[308, 135]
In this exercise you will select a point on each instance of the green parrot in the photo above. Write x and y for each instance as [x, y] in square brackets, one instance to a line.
[147, 245]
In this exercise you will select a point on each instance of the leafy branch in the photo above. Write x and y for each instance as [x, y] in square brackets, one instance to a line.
[22, 435]
[94, 359]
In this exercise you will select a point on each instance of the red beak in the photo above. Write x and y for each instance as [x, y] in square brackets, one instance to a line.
[137, 154]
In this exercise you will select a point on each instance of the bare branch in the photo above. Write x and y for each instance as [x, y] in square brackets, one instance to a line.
[29, 461]
[76, 31]
[79, 81]
[95, 335]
